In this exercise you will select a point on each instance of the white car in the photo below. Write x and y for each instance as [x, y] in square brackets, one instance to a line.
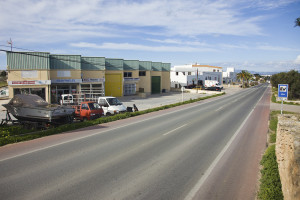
[111, 105]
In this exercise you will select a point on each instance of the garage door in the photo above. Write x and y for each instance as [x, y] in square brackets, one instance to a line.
[155, 84]
[113, 85]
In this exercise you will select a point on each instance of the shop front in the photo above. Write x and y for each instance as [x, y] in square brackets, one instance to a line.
[63, 86]
[39, 87]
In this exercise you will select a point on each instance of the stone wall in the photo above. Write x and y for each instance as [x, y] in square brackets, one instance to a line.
[288, 155]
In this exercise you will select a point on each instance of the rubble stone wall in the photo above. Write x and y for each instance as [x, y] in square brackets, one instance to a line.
[288, 155]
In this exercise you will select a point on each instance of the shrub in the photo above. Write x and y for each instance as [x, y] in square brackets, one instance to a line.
[270, 187]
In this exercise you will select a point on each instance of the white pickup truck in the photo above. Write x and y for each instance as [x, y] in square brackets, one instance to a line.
[111, 105]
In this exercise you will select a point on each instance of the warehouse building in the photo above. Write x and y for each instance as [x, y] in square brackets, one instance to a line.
[51, 75]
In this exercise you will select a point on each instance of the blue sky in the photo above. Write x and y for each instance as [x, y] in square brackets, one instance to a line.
[256, 35]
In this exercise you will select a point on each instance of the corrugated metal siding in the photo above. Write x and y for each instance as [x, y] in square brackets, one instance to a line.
[28, 60]
[131, 65]
[145, 65]
[166, 67]
[65, 62]
[113, 64]
[92, 63]
[156, 66]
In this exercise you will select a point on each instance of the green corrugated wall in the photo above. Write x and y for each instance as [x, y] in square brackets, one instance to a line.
[28, 60]
[166, 67]
[92, 63]
[114, 64]
[65, 62]
[145, 65]
[131, 65]
[156, 66]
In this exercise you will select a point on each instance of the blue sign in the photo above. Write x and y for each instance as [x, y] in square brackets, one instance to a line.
[283, 91]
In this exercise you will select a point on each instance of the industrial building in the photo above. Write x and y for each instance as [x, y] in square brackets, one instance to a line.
[51, 75]
[194, 74]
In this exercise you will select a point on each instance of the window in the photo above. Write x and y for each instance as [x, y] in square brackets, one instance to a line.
[176, 73]
[142, 73]
[214, 70]
[189, 73]
[127, 74]
[183, 73]
[38, 91]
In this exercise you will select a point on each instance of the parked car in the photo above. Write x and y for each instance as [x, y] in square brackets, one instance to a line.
[88, 110]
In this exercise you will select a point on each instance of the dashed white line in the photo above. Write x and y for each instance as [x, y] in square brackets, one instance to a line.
[174, 129]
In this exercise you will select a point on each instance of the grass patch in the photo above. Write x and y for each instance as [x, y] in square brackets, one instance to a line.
[13, 134]
[274, 100]
[272, 138]
[270, 187]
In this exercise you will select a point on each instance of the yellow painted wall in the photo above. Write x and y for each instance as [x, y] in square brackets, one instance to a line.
[114, 83]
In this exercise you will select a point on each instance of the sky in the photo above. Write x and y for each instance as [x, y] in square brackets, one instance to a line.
[256, 35]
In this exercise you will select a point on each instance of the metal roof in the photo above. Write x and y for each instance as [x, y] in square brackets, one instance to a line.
[92, 63]
[113, 64]
[28, 60]
[156, 66]
[65, 62]
[131, 65]
[166, 67]
[145, 65]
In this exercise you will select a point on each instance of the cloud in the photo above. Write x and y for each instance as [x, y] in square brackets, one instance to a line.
[268, 66]
[297, 61]
[275, 48]
[65, 20]
[138, 47]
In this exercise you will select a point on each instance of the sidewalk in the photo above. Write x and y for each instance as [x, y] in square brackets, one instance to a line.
[285, 107]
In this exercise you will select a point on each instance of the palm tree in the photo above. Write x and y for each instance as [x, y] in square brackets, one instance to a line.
[297, 22]
[244, 76]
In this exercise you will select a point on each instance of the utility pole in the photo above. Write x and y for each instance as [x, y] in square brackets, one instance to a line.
[10, 42]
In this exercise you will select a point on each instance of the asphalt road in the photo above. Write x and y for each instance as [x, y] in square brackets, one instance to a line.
[163, 155]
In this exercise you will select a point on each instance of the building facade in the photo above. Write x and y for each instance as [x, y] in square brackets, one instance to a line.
[229, 76]
[189, 75]
[51, 75]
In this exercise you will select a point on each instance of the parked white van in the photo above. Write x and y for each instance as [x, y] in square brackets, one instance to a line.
[111, 105]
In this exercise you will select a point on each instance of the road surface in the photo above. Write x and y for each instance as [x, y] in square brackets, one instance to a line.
[169, 154]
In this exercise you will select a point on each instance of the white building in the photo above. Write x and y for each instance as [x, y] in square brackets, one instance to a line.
[229, 76]
[186, 75]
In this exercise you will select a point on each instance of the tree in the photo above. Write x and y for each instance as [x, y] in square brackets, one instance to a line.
[3, 73]
[244, 75]
[292, 78]
[297, 22]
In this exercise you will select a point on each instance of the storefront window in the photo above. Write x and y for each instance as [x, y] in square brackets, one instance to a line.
[38, 91]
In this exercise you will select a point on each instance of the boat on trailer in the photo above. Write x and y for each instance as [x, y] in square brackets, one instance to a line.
[33, 108]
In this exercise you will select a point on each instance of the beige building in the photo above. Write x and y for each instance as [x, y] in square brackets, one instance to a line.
[50, 75]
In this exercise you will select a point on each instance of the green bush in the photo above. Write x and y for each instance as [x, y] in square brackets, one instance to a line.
[270, 187]
[292, 78]
[273, 138]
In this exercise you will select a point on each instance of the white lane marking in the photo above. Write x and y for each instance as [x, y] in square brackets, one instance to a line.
[174, 129]
[199, 184]
[220, 108]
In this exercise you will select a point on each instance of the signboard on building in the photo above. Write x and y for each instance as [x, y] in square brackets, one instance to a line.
[283, 91]
[90, 80]
[40, 82]
[67, 81]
